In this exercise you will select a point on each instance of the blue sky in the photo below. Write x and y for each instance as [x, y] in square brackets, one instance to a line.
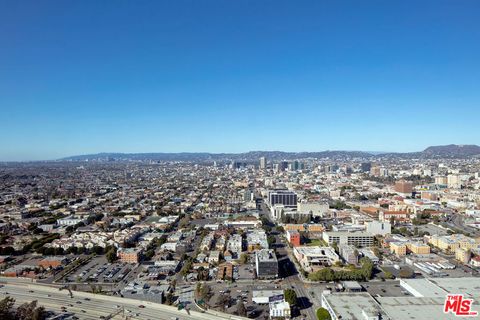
[93, 76]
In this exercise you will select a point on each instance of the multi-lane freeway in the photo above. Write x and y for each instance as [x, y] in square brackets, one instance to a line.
[91, 306]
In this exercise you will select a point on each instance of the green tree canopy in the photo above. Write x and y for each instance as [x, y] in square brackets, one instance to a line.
[290, 296]
[322, 314]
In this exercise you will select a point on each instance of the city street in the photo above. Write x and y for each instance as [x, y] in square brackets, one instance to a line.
[291, 277]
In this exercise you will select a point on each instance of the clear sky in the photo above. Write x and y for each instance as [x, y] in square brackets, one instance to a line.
[93, 76]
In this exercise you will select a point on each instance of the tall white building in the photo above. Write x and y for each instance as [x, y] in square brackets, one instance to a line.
[279, 309]
[454, 181]
[317, 209]
[379, 228]
[263, 163]
[359, 239]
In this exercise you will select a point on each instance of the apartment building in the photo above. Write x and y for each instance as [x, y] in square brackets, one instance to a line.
[314, 258]
[316, 209]
[454, 241]
[293, 237]
[359, 239]
[235, 245]
[349, 254]
[463, 255]
[256, 240]
[418, 248]
[129, 255]
[398, 248]
[379, 228]
[266, 264]
[285, 197]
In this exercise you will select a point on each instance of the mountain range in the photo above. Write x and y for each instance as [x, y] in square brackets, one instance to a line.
[446, 151]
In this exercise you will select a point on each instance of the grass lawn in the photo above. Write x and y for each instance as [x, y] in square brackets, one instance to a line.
[316, 242]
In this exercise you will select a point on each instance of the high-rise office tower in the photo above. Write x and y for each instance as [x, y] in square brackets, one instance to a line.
[263, 163]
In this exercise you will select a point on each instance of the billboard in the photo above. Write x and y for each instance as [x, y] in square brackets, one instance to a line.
[275, 298]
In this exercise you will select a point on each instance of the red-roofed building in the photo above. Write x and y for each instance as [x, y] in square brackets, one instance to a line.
[385, 216]
[475, 261]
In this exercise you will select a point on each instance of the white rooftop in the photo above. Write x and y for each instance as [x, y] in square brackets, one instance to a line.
[411, 308]
[351, 305]
[468, 286]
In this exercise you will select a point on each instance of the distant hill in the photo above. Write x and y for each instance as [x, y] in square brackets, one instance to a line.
[248, 156]
[448, 151]
[452, 151]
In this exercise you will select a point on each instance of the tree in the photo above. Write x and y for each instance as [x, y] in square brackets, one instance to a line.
[30, 311]
[271, 240]
[405, 273]
[58, 251]
[202, 274]
[241, 310]
[363, 273]
[290, 296]
[6, 306]
[111, 254]
[173, 283]
[48, 251]
[204, 291]
[338, 264]
[335, 247]
[198, 289]
[323, 314]
[7, 251]
[73, 250]
[243, 258]
[223, 301]
[39, 314]
[187, 265]
[169, 299]
[149, 254]
[97, 249]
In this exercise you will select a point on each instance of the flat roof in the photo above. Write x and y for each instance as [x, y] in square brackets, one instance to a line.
[265, 255]
[425, 288]
[349, 234]
[315, 251]
[351, 305]
[266, 293]
[352, 285]
[411, 308]
[469, 286]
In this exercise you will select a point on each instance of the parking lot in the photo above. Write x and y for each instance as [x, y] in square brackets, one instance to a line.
[98, 270]
[246, 272]
[240, 292]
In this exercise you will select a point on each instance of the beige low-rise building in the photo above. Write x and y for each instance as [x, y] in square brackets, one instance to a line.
[398, 248]
[454, 241]
[462, 255]
[418, 248]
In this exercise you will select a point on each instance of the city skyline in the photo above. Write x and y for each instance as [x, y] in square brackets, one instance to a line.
[83, 78]
[458, 151]
[249, 159]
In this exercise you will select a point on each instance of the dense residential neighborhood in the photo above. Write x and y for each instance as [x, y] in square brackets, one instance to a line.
[258, 239]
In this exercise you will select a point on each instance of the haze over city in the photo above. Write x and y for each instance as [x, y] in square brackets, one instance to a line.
[236, 76]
